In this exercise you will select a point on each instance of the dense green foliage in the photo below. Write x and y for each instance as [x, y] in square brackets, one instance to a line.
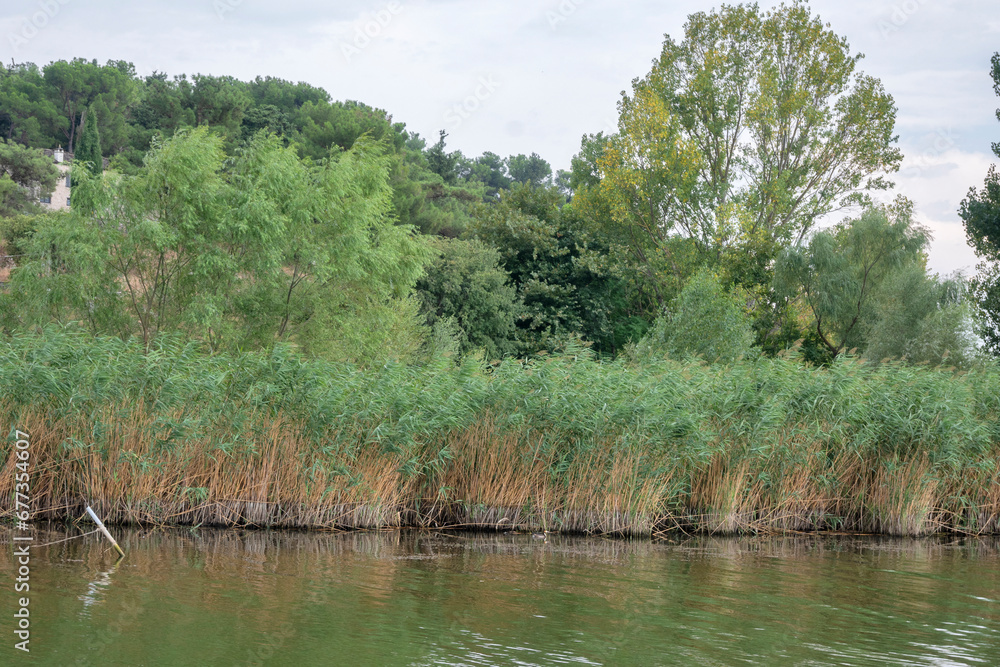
[236, 251]
[25, 175]
[704, 320]
[980, 212]
[851, 444]
[565, 278]
[467, 296]
[864, 285]
[248, 213]
[729, 150]
[278, 309]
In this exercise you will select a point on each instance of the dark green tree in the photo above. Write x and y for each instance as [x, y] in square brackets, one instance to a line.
[980, 213]
[27, 115]
[25, 175]
[79, 84]
[564, 278]
[467, 293]
[492, 171]
[441, 162]
[88, 150]
[531, 169]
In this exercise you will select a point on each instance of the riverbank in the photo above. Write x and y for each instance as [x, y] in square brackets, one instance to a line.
[177, 436]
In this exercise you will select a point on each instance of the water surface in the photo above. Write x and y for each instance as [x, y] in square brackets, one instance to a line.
[218, 597]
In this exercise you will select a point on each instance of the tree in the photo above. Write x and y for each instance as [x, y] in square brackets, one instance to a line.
[79, 84]
[88, 151]
[920, 318]
[266, 117]
[219, 101]
[491, 169]
[741, 136]
[25, 175]
[466, 292]
[285, 95]
[703, 320]
[980, 213]
[238, 250]
[441, 162]
[563, 276]
[27, 115]
[843, 272]
[529, 169]
[321, 125]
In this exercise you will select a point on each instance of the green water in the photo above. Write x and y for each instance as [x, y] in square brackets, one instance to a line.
[214, 597]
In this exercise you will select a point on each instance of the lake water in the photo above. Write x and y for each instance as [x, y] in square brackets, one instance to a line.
[234, 597]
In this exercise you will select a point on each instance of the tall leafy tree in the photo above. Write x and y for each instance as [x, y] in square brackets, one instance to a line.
[322, 125]
[980, 213]
[78, 84]
[441, 161]
[842, 274]
[530, 169]
[742, 135]
[239, 250]
[563, 275]
[88, 150]
[27, 115]
[491, 169]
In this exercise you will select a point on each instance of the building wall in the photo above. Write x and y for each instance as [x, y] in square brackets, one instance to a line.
[59, 201]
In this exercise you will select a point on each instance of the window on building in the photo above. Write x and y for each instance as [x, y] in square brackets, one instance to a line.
[67, 180]
[67, 201]
[45, 200]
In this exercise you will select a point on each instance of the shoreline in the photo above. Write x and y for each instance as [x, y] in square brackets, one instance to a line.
[177, 436]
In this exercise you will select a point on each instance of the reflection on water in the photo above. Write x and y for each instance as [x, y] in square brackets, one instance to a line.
[216, 597]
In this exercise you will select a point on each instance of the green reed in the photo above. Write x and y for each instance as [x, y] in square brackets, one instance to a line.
[561, 442]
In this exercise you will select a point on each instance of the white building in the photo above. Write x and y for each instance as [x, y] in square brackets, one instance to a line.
[59, 200]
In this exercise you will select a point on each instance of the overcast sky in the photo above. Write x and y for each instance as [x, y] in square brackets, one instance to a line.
[520, 77]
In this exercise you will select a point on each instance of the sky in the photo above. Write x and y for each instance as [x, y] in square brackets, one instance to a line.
[520, 77]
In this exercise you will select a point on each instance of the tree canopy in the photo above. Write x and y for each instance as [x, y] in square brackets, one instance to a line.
[245, 213]
[742, 135]
[980, 213]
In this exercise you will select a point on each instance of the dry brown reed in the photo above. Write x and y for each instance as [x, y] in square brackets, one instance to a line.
[494, 479]
[276, 481]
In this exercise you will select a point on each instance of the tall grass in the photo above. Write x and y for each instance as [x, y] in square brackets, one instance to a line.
[561, 443]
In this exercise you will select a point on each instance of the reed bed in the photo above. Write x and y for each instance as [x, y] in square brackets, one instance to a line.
[174, 435]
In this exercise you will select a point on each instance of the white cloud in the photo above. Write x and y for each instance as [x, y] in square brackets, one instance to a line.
[937, 182]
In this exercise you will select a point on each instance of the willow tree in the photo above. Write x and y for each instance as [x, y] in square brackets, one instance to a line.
[237, 250]
[863, 284]
[740, 138]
